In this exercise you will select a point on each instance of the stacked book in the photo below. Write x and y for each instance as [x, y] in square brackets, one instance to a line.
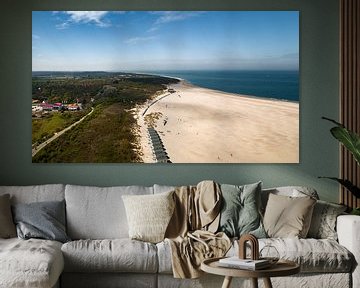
[248, 264]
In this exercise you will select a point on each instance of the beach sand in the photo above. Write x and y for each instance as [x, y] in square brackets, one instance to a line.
[199, 125]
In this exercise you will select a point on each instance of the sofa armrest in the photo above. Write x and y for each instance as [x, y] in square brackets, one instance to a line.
[348, 230]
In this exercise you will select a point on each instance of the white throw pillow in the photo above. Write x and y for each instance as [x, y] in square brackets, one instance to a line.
[149, 215]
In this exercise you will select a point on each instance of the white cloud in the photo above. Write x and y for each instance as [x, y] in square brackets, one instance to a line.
[85, 17]
[136, 40]
[171, 16]
[62, 26]
[35, 37]
[153, 28]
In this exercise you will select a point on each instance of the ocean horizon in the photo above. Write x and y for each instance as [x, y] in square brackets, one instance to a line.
[271, 84]
[282, 85]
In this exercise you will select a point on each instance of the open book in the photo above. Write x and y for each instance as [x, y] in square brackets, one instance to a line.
[236, 262]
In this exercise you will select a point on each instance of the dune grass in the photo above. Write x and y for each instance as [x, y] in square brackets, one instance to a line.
[44, 128]
[109, 134]
[105, 136]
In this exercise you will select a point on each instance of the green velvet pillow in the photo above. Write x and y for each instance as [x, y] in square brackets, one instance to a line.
[240, 213]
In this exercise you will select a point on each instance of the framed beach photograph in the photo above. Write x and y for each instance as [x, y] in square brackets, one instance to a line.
[165, 87]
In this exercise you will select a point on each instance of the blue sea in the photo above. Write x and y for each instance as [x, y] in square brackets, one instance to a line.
[282, 85]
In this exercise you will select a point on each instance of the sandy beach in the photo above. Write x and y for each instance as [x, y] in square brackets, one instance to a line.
[199, 125]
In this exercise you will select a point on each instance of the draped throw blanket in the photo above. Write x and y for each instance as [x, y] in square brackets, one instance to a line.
[191, 231]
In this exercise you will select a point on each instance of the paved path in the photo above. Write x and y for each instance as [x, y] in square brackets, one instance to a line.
[56, 135]
[152, 103]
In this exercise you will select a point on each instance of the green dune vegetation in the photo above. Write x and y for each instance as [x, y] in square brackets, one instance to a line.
[44, 128]
[109, 134]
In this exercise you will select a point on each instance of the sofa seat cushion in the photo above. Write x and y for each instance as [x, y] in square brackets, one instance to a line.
[30, 263]
[164, 257]
[115, 255]
[313, 255]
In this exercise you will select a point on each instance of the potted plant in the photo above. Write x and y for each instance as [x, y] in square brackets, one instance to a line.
[351, 141]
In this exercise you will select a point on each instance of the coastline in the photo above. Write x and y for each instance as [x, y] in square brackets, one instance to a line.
[269, 84]
[201, 125]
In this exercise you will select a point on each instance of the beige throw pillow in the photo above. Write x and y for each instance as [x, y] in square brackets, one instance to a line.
[288, 217]
[7, 226]
[149, 215]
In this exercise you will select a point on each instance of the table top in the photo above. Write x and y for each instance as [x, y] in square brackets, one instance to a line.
[281, 268]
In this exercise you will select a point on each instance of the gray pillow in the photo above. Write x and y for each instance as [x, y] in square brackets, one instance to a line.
[44, 220]
[240, 213]
[323, 222]
[7, 227]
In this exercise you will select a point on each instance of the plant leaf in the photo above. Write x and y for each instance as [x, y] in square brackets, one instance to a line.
[333, 121]
[349, 139]
[347, 184]
[355, 211]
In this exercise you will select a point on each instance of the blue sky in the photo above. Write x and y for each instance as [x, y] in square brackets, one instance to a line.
[145, 40]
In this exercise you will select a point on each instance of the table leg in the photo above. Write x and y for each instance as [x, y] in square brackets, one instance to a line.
[227, 282]
[254, 282]
[267, 283]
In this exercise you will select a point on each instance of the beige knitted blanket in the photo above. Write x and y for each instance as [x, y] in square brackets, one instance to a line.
[191, 231]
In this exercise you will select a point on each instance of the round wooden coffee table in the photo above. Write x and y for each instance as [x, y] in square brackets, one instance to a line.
[281, 268]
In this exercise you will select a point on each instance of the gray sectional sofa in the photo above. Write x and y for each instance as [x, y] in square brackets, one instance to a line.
[101, 254]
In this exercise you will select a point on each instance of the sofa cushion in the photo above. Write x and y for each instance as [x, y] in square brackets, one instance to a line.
[43, 220]
[117, 255]
[34, 193]
[7, 226]
[240, 210]
[164, 257]
[313, 255]
[149, 215]
[287, 216]
[291, 191]
[323, 222]
[163, 188]
[30, 263]
[98, 213]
